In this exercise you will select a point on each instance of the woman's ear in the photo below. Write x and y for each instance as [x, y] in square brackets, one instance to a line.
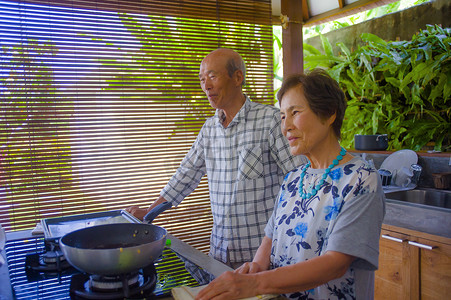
[331, 119]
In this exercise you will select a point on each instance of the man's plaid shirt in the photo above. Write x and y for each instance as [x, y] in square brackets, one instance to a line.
[245, 164]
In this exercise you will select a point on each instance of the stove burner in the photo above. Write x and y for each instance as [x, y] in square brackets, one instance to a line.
[112, 283]
[46, 262]
[130, 286]
[51, 260]
[52, 257]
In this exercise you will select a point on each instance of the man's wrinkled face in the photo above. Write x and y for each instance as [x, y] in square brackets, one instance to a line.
[215, 80]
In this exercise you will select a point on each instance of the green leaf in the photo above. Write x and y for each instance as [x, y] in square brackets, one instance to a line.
[371, 38]
[393, 81]
[327, 46]
[419, 69]
[344, 49]
[278, 41]
[375, 121]
[447, 88]
[336, 71]
[310, 50]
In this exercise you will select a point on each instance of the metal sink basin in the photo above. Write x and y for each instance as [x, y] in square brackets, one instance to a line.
[429, 197]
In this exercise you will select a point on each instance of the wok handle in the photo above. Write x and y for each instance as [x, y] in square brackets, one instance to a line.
[151, 215]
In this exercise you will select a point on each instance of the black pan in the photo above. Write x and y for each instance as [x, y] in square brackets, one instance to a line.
[371, 142]
[115, 249]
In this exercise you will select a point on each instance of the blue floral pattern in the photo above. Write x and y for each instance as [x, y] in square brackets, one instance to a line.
[333, 210]
[302, 227]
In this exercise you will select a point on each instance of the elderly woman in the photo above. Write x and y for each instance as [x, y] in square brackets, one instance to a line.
[322, 241]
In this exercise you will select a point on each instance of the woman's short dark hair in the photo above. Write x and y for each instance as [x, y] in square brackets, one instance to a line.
[323, 95]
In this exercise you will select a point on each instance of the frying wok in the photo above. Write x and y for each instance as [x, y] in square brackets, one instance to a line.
[115, 249]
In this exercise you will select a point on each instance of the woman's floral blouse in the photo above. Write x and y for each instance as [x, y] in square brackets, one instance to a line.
[345, 216]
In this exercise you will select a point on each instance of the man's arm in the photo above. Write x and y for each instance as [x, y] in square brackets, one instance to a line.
[182, 183]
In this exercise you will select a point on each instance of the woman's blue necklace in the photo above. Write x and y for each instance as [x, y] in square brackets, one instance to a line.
[315, 189]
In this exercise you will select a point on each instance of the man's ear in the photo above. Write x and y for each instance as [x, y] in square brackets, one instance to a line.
[238, 77]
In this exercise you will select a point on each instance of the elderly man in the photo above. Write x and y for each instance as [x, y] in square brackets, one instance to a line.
[245, 156]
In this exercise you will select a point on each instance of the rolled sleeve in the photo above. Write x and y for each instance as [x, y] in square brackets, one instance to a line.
[357, 229]
[188, 175]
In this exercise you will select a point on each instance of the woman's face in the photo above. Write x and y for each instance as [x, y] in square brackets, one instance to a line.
[304, 130]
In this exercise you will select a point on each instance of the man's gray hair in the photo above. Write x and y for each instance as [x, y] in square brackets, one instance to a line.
[236, 63]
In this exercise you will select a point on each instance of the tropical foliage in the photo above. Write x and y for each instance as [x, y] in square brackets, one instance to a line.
[360, 17]
[323, 28]
[401, 88]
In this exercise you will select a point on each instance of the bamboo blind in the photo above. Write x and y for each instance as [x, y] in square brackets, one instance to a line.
[100, 101]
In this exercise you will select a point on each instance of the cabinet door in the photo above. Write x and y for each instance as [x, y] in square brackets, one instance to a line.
[435, 266]
[398, 273]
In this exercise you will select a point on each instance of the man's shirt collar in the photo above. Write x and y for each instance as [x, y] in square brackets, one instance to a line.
[239, 117]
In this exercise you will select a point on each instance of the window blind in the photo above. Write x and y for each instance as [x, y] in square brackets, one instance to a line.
[100, 101]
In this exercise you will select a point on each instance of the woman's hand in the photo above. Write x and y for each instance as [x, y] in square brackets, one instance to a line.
[137, 212]
[230, 285]
[249, 268]
[242, 282]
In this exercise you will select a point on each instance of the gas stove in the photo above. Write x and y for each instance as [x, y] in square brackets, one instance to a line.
[39, 270]
[31, 278]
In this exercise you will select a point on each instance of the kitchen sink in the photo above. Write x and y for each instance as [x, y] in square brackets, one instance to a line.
[429, 197]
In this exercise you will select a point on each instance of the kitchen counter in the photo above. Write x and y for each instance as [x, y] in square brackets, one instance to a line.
[199, 258]
[5, 285]
[422, 218]
[427, 220]
[401, 214]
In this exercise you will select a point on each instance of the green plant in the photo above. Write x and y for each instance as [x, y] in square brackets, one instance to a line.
[359, 17]
[401, 88]
[277, 59]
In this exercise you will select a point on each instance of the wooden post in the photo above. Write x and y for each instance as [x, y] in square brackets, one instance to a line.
[292, 37]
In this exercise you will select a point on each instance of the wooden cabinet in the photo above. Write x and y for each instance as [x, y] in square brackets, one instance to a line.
[413, 265]
[435, 269]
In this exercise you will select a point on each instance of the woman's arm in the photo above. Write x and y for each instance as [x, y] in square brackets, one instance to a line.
[298, 277]
[304, 275]
[260, 261]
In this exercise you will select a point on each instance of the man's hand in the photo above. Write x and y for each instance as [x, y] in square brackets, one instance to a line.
[137, 212]
[141, 212]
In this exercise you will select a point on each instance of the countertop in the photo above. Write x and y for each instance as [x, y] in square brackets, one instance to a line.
[5, 285]
[427, 220]
[401, 214]
[199, 258]
[422, 218]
